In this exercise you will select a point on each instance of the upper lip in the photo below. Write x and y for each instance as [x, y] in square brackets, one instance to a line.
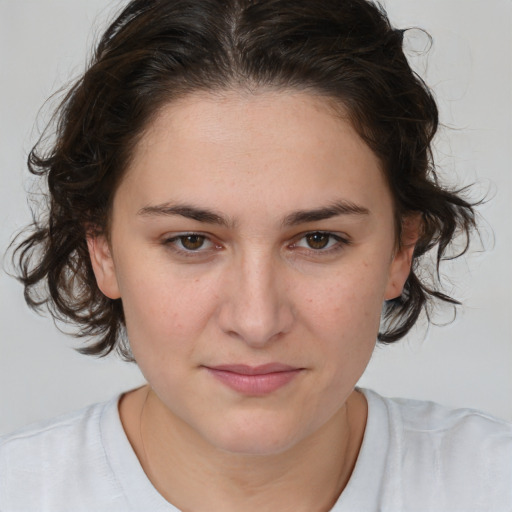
[263, 369]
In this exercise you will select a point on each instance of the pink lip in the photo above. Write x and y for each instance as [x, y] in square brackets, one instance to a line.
[254, 380]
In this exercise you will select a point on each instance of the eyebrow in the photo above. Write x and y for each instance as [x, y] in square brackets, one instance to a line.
[189, 212]
[341, 207]
[335, 209]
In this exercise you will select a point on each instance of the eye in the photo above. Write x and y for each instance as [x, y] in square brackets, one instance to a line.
[190, 242]
[321, 241]
[318, 240]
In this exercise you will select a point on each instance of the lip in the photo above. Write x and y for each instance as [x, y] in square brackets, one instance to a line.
[254, 380]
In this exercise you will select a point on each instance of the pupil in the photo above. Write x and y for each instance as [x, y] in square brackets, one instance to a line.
[317, 240]
[192, 242]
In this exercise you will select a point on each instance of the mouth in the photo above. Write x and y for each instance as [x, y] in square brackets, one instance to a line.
[254, 380]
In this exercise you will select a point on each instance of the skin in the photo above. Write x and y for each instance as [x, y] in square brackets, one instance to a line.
[254, 286]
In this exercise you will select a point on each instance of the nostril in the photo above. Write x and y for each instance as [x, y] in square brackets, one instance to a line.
[253, 303]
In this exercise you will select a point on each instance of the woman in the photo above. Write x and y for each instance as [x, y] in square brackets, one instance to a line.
[239, 191]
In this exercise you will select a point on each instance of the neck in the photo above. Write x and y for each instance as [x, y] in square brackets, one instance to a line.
[193, 475]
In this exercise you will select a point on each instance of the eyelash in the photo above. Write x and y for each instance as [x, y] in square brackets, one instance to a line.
[339, 243]
[178, 239]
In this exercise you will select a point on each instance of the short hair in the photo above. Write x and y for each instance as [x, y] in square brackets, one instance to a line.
[159, 50]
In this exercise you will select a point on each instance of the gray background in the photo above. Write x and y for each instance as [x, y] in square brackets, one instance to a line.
[43, 44]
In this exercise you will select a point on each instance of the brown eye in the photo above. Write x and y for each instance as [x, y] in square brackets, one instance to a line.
[192, 242]
[318, 240]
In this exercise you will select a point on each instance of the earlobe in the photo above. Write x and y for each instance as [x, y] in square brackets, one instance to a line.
[399, 272]
[402, 260]
[103, 265]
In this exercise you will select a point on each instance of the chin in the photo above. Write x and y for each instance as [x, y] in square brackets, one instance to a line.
[254, 436]
[257, 446]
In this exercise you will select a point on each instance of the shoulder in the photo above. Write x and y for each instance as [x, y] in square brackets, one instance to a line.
[446, 457]
[456, 427]
[76, 420]
[61, 459]
[431, 414]
[51, 438]
[54, 434]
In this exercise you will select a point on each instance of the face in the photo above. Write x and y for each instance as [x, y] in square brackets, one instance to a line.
[252, 244]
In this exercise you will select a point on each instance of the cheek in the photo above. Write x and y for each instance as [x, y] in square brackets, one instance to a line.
[340, 318]
[343, 317]
[348, 303]
[164, 313]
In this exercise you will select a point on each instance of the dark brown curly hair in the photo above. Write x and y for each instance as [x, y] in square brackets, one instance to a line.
[159, 50]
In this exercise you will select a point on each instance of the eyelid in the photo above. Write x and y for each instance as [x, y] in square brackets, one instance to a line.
[341, 241]
[172, 241]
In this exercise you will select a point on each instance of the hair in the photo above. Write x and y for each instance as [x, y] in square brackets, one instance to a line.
[159, 50]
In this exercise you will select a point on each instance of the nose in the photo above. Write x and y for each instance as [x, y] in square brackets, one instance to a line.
[256, 306]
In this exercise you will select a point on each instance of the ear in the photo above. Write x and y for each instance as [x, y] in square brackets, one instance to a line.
[402, 259]
[103, 265]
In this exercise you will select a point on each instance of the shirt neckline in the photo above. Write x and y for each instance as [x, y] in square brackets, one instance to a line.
[361, 492]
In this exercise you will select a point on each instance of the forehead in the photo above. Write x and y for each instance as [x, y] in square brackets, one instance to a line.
[279, 147]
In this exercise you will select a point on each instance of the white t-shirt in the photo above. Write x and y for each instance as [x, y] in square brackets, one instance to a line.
[415, 457]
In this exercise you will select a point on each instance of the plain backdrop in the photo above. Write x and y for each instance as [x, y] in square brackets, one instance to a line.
[44, 43]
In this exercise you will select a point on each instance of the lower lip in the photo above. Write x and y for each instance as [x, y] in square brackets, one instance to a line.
[255, 385]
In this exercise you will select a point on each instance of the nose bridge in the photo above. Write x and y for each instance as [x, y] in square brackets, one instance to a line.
[257, 308]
